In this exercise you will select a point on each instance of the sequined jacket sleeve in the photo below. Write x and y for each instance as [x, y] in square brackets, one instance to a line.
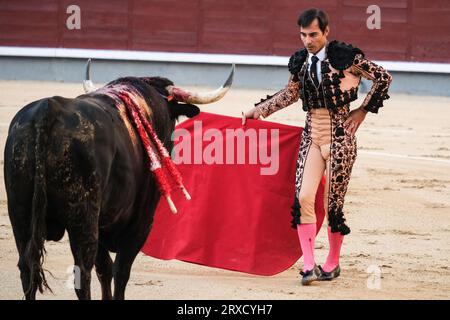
[381, 82]
[280, 100]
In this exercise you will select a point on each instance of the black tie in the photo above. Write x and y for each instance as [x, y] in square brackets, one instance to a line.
[313, 70]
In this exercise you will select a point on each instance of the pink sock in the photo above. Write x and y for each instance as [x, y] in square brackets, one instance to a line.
[335, 240]
[307, 235]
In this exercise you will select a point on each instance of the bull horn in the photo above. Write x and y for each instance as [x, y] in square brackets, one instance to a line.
[201, 98]
[87, 83]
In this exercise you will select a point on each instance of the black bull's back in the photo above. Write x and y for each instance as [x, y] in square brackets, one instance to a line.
[72, 164]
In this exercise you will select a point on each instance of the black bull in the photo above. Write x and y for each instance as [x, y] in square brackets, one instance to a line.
[70, 164]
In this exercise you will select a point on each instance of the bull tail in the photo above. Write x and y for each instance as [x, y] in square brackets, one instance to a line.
[35, 250]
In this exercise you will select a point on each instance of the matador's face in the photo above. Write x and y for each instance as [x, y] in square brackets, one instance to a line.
[313, 38]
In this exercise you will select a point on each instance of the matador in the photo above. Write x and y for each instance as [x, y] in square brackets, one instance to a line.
[325, 76]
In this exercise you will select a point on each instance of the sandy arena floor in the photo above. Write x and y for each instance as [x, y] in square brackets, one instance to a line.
[398, 206]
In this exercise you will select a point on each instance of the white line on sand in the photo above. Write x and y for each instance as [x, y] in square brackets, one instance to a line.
[406, 131]
[402, 156]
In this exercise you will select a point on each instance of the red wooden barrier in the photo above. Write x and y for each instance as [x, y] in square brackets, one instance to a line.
[411, 30]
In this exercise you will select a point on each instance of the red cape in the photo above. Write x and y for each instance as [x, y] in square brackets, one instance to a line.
[237, 218]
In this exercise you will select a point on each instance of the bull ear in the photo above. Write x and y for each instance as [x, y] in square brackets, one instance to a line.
[181, 109]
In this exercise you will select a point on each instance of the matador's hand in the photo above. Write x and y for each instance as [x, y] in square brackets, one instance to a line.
[252, 114]
[354, 120]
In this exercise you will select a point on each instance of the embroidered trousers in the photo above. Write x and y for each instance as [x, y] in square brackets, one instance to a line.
[326, 147]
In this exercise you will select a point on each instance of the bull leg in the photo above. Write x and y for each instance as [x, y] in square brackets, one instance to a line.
[29, 286]
[21, 228]
[84, 244]
[121, 270]
[103, 267]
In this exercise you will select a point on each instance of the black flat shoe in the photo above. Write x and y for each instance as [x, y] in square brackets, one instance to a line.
[327, 276]
[310, 276]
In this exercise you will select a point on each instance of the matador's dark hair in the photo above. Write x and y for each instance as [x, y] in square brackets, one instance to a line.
[308, 16]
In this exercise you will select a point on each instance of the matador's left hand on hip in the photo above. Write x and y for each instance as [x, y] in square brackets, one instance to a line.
[354, 120]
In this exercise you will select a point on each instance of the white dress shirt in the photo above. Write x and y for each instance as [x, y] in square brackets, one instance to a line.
[322, 56]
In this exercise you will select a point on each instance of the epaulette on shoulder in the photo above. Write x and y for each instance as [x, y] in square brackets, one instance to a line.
[297, 60]
[341, 55]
